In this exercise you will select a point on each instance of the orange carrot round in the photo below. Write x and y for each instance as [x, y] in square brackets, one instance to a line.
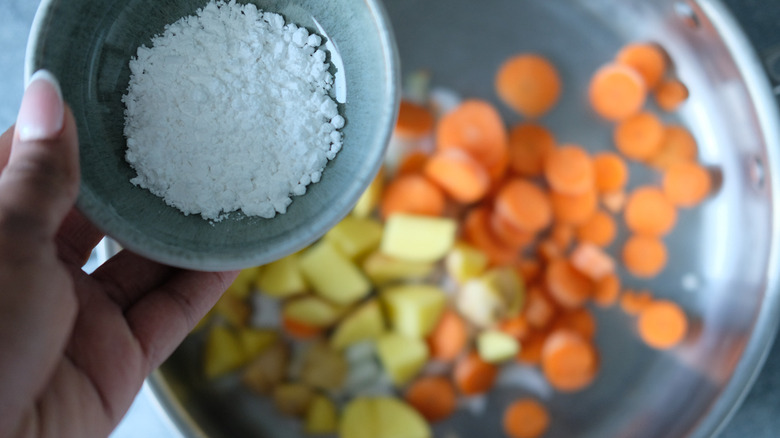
[299, 330]
[562, 235]
[639, 137]
[566, 285]
[529, 268]
[662, 324]
[580, 321]
[526, 418]
[599, 230]
[607, 290]
[529, 84]
[414, 121]
[531, 348]
[477, 231]
[670, 94]
[569, 170]
[529, 144]
[473, 375]
[617, 92]
[476, 128]
[413, 162]
[458, 174]
[634, 302]
[678, 145]
[539, 310]
[448, 338]
[508, 233]
[412, 194]
[574, 209]
[611, 172]
[433, 397]
[686, 184]
[569, 362]
[517, 327]
[649, 212]
[644, 256]
[648, 59]
[614, 201]
[525, 205]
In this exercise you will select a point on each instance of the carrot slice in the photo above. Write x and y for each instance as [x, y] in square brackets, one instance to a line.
[648, 59]
[299, 330]
[539, 310]
[531, 348]
[433, 397]
[458, 174]
[617, 92]
[592, 261]
[634, 302]
[580, 321]
[670, 94]
[644, 256]
[562, 235]
[517, 327]
[473, 375]
[448, 338]
[649, 212]
[615, 201]
[548, 250]
[574, 209]
[567, 286]
[413, 162]
[678, 145]
[476, 128]
[611, 172]
[687, 184]
[569, 362]
[607, 290]
[529, 269]
[412, 194]
[508, 233]
[529, 84]
[526, 418]
[599, 230]
[640, 136]
[414, 121]
[524, 205]
[477, 231]
[569, 170]
[662, 324]
[529, 144]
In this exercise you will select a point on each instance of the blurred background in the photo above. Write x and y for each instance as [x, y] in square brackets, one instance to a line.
[756, 418]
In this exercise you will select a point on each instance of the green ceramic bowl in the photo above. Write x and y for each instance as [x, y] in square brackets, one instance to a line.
[88, 44]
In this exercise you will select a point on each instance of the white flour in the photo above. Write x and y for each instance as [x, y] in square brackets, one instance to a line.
[230, 110]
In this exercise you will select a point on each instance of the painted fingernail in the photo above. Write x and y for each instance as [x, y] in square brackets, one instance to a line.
[43, 111]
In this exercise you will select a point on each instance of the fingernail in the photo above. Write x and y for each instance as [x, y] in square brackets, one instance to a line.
[43, 111]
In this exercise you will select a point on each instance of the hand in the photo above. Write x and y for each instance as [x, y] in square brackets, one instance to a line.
[75, 348]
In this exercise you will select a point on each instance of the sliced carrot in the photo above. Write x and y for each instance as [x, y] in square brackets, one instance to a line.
[648, 59]
[670, 94]
[607, 290]
[462, 177]
[649, 212]
[599, 230]
[414, 121]
[580, 321]
[529, 269]
[412, 194]
[476, 128]
[611, 172]
[548, 250]
[531, 348]
[517, 327]
[413, 162]
[529, 84]
[569, 170]
[574, 209]
[592, 261]
[567, 286]
[498, 169]
[473, 375]
[563, 236]
[448, 338]
[678, 145]
[686, 184]
[617, 92]
[478, 232]
[299, 330]
[640, 136]
[644, 256]
[539, 309]
[633, 302]
[433, 397]
[529, 144]
[569, 362]
[526, 418]
[508, 233]
[614, 202]
[525, 205]
[662, 324]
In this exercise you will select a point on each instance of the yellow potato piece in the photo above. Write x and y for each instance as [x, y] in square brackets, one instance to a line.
[243, 284]
[497, 294]
[293, 398]
[402, 356]
[413, 309]
[494, 346]
[465, 262]
[255, 341]
[365, 323]
[282, 278]
[322, 417]
[418, 238]
[382, 269]
[382, 417]
[332, 275]
[370, 198]
[268, 369]
[312, 311]
[324, 367]
[223, 352]
[355, 237]
[236, 311]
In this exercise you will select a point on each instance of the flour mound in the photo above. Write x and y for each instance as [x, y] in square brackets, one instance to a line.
[230, 110]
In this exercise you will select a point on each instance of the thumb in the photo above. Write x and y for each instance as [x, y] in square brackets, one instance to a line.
[39, 185]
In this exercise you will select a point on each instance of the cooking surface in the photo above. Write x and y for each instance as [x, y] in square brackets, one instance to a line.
[756, 418]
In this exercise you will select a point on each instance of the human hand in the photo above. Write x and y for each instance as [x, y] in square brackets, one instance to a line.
[75, 348]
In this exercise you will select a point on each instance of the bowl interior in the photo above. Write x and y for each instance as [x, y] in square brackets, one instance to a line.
[721, 253]
[88, 45]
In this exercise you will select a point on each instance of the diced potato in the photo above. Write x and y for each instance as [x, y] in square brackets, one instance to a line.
[418, 238]
[312, 311]
[510, 287]
[497, 294]
[402, 356]
[383, 269]
[243, 284]
[382, 417]
[370, 198]
[355, 236]
[365, 323]
[255, 341]
[413, 309]
[324, 367]
[282, 278]
[322, 417]
[223, 352]
[236, 311]
[332, 275]
[293, 398]
[495, 346]
[465, 262]
[268, 369]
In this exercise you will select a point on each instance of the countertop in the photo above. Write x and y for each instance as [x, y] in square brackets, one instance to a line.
[756, 418]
